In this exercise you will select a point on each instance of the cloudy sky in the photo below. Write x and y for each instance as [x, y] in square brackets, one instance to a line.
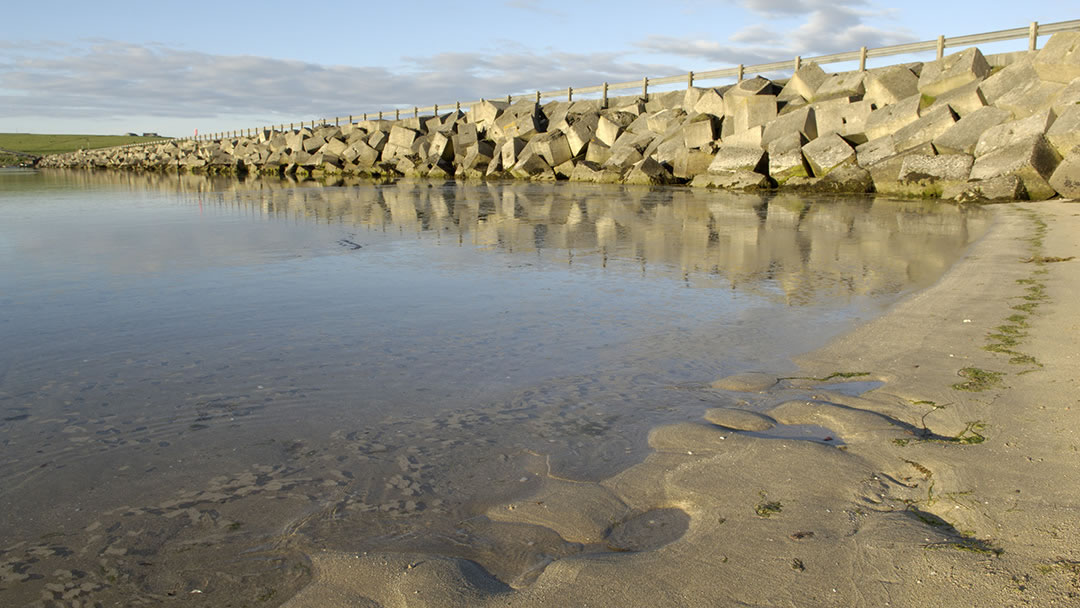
[112, 66]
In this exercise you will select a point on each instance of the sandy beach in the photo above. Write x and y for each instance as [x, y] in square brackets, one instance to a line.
[952, 483]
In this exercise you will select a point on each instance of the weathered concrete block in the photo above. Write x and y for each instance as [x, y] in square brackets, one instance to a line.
[1034, 97]
[731, 158]
[1016, 75]
[802, 121]
[930, 125]
[845, 179]
[750, 87]
[553, 147]
[964, 134]
[623, 158]
[804, 83]
[611, 125]
[845, 118]
[665, 151]
[709, 102]
[1033, 161]
[587, 171]
[962, 100]
[843, 84]
[532, 166]
[580, 131]
[1064, 134]
[511, 150]
[827, 153]
[875, 150]
[403, 137]
[312, 144]
[361, 154]
[701, 131]
[930, 175]
[648, 172]
[1066, 177]
[886, 172]
[378, 139]
[334, 146]
[997, 189]
[887, 120]
[751, 110]
[1069, 97]
[690, 163]
[521, 120]
[750, 138]
[732, 180]
[392, 152]
[786, 159]
[597, 152]
[664, 101]
[663, 120]
[1014, 131]
[889, 85]
[441, 148]
[484, 113]
[953, 71]
[1059, 59]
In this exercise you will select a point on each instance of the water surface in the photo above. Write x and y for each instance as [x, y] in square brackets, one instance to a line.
[204, 380]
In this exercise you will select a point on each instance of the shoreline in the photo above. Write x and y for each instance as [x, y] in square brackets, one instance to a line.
[945, 486]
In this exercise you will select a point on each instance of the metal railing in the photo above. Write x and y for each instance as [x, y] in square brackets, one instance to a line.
[1031, 33]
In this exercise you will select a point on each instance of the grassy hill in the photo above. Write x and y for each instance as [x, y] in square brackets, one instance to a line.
[40, 145]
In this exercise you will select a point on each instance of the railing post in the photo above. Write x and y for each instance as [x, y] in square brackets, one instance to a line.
[798, 62]
[457, 106]
[508, 100]
[1033, 36]
[690, 80]
[645, 88]
[940, 47]
[416, 111]
[603, 103]
[862, 59]
[436, 107]
[569, 94]
[337, 121]
[741, 72]
[538, 98]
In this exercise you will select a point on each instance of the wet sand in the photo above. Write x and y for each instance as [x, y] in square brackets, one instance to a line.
[954, 483]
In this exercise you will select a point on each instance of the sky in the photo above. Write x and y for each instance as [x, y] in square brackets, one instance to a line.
[116, 66]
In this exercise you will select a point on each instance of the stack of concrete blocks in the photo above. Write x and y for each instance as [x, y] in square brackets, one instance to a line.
[954, 128]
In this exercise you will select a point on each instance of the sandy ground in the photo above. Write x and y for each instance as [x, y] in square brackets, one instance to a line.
[947, 485]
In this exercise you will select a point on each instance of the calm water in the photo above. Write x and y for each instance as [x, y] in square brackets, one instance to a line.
[203, 381]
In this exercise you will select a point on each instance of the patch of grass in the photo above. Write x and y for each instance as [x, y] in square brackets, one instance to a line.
[977, 379]
[42, 144]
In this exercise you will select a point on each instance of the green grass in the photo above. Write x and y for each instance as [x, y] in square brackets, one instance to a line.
[40, 145]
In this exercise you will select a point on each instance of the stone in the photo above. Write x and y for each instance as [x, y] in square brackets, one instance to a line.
[658, 102]
[312, 144]
[623, 158]
[710, 102]
[1069, 97]
[1002, 188]
[827, 153]
[402, 136]
[1032, 98]
[844, 84]
[532, 166]
[845, 179]
[483, 114]
[750, 138]
[1018, 75]
[739, 420]
[378, 139]
[962, 100]
[1032, 160]
[648, 172]
[441, 148]
[688, 163]
[701, 131]
[750, 87]
[845, 118]
[731, 180]
[930, 174]
[802, 121]
[886, 172]
[875, 150]
[928, 126]
[588, 171]
[521, 120]
[1011, 132]
[511, 150]
[887, 86]
[361, 154]
[609, 127]
[751, 110]
[786, 159]
[552, 147]
[730, 158]
[804, 82]
[661, 121]
[580, 132]
[888, 119]
[1064, 135]
[597, 152]
[1059, 59]
[964, 134]
[953, 71]
[1066, 177]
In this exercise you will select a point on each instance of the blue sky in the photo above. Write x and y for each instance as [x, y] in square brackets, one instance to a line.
[113, 66]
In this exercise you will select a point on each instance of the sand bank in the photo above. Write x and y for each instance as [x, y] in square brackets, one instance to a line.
[953, 483]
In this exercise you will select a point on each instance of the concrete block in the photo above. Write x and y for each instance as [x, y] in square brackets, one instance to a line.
[690, 163]
[334, 146]
[1066, 177]
[378, 139]
[597, 152]
[1032, 160]
[441, 148]
[1031, 98]
[622, 158]
[519, 120]
[663, 120]
[588, 171]
[751, 110]
[930, 125]
[553, 147]
[532, 166]
[730, 158]
[732, 180]
[750, 87]
[664, 101]
[964, 134]
[611, 125]
[701, 131]
[579, 130]
[953, 71]
[312, 144]
[786, 159]
[466, 135]
[666, 151]
[484, 113]
[845, 118]
[845, 179]
[510, 151]
[1011, 132]
[648, 172]
[827, 153]
[996, 189]
[403, 137]
[393, 151]
[962, 100]
[931, 174]
[1059, 59]
[1064, 134]
[889, 85]
[802, 121]
[709, 102]
[361, 154]
[885, 173]
[887, 120]
[637, 141]
[1016, 75]
[804, 83]
[1069, 97]
[875, 150]
[747, 138]
[843, 84]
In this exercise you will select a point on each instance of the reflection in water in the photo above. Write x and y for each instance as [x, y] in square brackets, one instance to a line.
[206, 368]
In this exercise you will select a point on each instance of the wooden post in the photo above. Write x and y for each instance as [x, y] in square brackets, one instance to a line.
[603, 103]
[416, 112]
[940, 47]
[741, 72]
[862, 59]
[798, 62]
[337, 121]
[538, 98]
[690, 80]
[569, 94]
[350, 118]
[457, 106]
[645, 88]
[508, 100]
[1033, 36]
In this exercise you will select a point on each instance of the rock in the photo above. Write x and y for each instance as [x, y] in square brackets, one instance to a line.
[378, 140]
[1014, 131]
[588, 171]
[964, 134]
[402, 137]
[845, 118]
[731, 158]
[690, 163]
[845, 179]
[751, 110]
[953, 71]
[623, 158]
[441, 148]
[484, 113]
[804, 82]
[930, 125]
[648, 172]
[1066, 178]
[962, 100]
[609, 127]
[532, 166]
[580, 131]
[1064, 134]
[746, 382]
[739, 420]
[826, 153]
[663, 120]
[875, 150]
[521, 120]
[929, 175]
[1003, 188]
[889, 119]
[750, 138]
[710, 102]
[511, 151]
[886, 172]
[552, 147]
[1017, 75]
[841, 85]
[1069, 97]
[800, 121]
[1032, 160]
[597, 152]
[786, 158]
[889, 85]
[1059, 59]
[701, 131]
[1032, 98]
[732, 180]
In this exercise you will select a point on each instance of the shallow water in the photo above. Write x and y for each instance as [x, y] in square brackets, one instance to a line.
[204, 380]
